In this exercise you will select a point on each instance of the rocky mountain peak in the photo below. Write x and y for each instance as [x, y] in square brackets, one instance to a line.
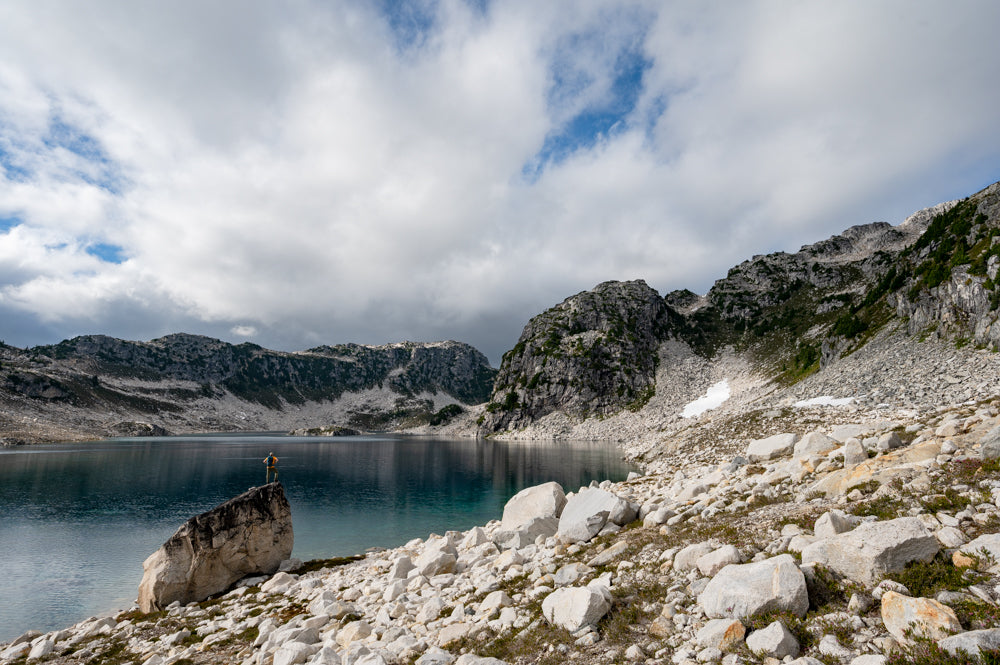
[591, 353]
[786, 314]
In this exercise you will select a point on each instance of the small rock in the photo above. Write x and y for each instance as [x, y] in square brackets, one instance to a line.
[687, 558]
[859, 603]
[723, 634]
[634, 653]
[775, 640]
[854, 453]
[829, 646]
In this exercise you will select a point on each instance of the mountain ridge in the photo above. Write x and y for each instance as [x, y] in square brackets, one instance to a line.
[95, 385]
[782, 317]
[619, 355]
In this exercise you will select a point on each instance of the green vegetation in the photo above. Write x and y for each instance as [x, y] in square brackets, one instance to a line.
[849, 326]
[927, 579]
[927, 652]
[445, 414]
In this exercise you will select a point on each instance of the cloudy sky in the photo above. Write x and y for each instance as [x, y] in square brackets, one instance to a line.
[305, 173]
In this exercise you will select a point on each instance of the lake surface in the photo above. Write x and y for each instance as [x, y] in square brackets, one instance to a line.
[79, 519]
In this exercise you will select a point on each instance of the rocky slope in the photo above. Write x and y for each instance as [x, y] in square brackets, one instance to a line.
[772, 322]
[96, 386]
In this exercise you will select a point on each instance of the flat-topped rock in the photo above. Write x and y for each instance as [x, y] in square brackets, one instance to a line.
[779, 445]
[869, 552]
[744, 590]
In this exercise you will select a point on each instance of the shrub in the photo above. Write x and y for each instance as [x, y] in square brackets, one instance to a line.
[939, 574]
[446, 414]
[927, 652]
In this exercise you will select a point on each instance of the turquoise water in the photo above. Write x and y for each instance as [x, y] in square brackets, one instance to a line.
[79, 519]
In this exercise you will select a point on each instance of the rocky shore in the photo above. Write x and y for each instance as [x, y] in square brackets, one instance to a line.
[857, 543]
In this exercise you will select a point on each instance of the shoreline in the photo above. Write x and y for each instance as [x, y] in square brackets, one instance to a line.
[314, 539]
[255, 622]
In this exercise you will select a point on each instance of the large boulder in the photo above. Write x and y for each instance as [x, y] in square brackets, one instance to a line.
[989, 446]
[250, 534]
[779, 445]
[972, 642]
[588, 511]
[532, 512]
[869, 552]
[740, 591]
[925, 617]
[814, 443]
[573, 608]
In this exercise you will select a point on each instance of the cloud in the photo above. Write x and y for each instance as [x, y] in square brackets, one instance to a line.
[243, 331]
[372, 172]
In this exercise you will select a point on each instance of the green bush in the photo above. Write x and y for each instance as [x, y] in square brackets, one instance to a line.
[446, 414]
[939, 574]
[849, 326]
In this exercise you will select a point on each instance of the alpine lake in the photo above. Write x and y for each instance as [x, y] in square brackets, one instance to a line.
[79, 519]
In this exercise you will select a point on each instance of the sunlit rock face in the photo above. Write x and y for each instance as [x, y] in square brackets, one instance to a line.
[248, 535]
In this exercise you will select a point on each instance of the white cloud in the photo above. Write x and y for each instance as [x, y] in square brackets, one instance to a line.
[243, 331]
[307, 173]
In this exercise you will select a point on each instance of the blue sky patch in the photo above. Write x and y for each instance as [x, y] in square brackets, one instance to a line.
[600, 118]
[7, 222]
[107, 175]
[106, 252]
[409, 20]
[9, 166]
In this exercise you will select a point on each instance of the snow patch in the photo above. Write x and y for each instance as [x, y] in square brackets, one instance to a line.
[716, 395]
[825, 400]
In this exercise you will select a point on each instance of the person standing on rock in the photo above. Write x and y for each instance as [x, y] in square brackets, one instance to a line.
[272, 466]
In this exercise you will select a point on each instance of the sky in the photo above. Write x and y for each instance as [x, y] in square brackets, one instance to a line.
[303, 173]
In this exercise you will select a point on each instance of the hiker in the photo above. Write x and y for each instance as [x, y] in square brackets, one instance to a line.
[272, 465]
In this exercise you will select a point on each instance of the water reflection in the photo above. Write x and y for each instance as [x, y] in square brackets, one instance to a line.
[79, 519]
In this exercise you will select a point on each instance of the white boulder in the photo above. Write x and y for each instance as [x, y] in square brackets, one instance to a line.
[531, 513]
[779, 445]
[775, 640]
[814, 443]
[869, 552]
[711, 563]
[745, 590]
[250, 534]
[971, 642]
[573, 608]
[588, 511]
